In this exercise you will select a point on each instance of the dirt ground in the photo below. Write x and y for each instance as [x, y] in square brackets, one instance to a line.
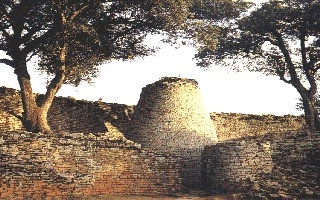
[191, 197]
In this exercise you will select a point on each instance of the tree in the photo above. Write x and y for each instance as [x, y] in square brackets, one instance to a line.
[71, 37]
[280, 38]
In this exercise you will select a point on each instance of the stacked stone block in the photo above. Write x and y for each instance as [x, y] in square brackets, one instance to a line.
[235, 125]
[66, 114]
[73, 166]
[241, 164]
[271, 166]
[228, 167]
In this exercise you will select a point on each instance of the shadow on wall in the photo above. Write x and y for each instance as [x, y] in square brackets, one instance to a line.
[67, 114]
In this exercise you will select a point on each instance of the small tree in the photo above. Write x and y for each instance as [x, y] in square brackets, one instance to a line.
[280, 38]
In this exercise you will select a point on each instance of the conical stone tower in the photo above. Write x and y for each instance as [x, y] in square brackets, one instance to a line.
[171, 117]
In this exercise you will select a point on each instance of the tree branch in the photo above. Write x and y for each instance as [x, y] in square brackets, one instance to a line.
[30, 33]
[53, 87]
[77, 12]
[5, 33]
[295, 81]
[281, 74]
[57, 82]
[306, 66]
[7, 62]
[37, 41]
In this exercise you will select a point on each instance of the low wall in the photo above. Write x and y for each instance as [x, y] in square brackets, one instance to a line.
[274, 166]
[73, 165]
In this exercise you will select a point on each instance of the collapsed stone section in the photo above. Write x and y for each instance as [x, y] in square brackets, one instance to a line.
[171, 117]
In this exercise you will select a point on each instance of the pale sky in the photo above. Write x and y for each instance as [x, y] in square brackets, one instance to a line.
[223, 90]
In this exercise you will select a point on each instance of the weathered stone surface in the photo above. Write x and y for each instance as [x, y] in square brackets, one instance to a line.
[235, 125]
[171, 117]
[272, 165]
[73, 165]
[68, 114]
[67, 164]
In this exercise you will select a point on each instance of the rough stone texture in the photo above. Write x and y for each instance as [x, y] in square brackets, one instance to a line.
[227, 166]
[295, 157]
[75, 165]
[66, 114]
[272, 166]
[171, 117]
[235, 125]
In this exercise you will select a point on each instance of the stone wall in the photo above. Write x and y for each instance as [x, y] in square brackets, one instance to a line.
[68, 166]
[10, 109]
[272, 166]
[242, 159]
[235, 125]
[66, 114]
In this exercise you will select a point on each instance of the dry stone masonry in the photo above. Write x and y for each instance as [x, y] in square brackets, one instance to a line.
[273, 166]
[66, 114]
[235, 125]
[171, 117]
[73, 166]
[70, 115]
[173, 144]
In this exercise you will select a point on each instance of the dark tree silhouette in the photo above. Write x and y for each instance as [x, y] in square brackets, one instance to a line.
[280, 38]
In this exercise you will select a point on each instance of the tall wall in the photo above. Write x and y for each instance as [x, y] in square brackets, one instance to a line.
[70, 166]
[272, 166]
[171, 117]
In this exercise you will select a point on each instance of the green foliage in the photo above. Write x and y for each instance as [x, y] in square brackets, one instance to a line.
[91, 31]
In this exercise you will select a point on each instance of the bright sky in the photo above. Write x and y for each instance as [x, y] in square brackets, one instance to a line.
[223, 90]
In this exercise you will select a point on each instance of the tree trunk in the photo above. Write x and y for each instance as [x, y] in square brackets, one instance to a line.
[311, 114]
[34, 117]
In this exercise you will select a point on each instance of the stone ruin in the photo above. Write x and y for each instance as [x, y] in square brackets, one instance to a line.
[263, 156]
[170, 117]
